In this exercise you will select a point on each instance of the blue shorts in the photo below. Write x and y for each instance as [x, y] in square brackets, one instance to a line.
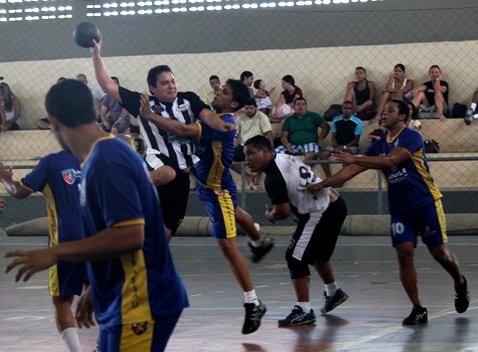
[220, 206]
[148, 336]
[427, 221]
[66, 279]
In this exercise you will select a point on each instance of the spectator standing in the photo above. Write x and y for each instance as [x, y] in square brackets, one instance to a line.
[251, 123]
[10, 109]
[299, 132]
[319, 220]
[346, 131]
[433, 94]
[361, 93]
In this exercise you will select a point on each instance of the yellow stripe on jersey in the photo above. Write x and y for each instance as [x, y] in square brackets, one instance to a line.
[139, 221]
[441, 219]
[137, 337]
[228, 214]
[217, 168]
[135, 302]
[53, 280]
[418, 161]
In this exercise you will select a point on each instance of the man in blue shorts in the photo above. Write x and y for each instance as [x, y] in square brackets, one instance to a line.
[215, 185]
[136, 292]
[414, 203]
[57, 176]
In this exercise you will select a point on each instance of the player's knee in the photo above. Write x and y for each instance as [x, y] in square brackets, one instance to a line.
[297, 269]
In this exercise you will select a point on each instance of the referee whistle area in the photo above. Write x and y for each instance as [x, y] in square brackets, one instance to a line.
[370, 320]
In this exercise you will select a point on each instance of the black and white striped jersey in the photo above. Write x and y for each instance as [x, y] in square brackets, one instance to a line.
[175, 151]
[286, 181]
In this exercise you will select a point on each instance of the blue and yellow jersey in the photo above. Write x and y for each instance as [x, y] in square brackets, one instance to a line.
[215, 150]
[141, 285]
[410, 184]
[58, 177]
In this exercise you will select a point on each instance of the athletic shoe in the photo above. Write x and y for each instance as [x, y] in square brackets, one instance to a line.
[298, 317]
[252, 320]
[332, 302]
[259, 252]
[419, 315]
[462, 297]
[468, 119]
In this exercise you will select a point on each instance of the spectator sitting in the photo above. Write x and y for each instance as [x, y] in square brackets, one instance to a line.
[247, 77]
[10, 109]
[398, 87]
[361, 93]
[472, 113]
[433, 94]
[97, 93]
[346, 131]
[285, 105]
[44, 123]
[262, 96]
[114, 118]
[215, 84]
[250, 124]
[299, 132]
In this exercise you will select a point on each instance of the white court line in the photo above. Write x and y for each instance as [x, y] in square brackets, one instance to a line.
[376, 335]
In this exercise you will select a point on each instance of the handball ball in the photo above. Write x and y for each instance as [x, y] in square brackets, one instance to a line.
[84, 34]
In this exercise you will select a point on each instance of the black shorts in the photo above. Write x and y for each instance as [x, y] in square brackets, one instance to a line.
[173, 198]
[317, 245]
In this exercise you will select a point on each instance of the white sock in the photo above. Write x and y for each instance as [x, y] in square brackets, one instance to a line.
[331, 288]
[305, 306]
[251, 297]
[72, 341]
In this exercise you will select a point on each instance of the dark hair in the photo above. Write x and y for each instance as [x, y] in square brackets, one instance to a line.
[434, 66]
[400, 66]
[360, 68]
[289, 79]
[257, 83]
[402, 106]
[259, 142]
[114, 78]
[214, 77]
[71, 102]
[134, 129]
[246, 74]
[7, 95]
[251, 101]
[240, 92]
[299, 98]
[155, 72]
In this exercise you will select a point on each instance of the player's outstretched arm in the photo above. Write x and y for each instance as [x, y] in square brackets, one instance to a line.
[13, 188]
[395, 157]
[215, 122]
[336, 180]
[177, 128]
[102, 76]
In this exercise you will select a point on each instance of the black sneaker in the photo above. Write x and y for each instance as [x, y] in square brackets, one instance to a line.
[254, 313]
[468, 119]
[332, 302]
[419, 315]
[259, 252]
[298, 317]
[462, 297]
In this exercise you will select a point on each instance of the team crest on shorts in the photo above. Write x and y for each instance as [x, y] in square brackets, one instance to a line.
[69, 176]
[139, 328]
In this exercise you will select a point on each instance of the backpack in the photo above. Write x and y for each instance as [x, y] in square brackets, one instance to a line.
[431, 146]
[333, 111]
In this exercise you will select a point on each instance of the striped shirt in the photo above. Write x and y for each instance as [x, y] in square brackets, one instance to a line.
[175, 151]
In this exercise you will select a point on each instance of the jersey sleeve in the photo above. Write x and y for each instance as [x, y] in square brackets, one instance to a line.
[333, 126]
[116, 192]
[359, 126]
[276, 189]
[130, 101]
[265, 124]
[318, 120]
[208, 133]
[197, 105]
[375, 148]
[37, 179]
[411, 141]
